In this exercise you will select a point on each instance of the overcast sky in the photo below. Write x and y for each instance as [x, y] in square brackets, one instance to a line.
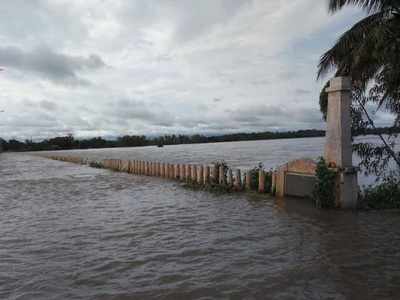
[114, 67]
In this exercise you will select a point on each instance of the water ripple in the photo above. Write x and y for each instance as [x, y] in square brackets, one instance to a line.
[72, 232]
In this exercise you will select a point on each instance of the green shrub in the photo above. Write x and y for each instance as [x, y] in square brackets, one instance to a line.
[324, 191]
[255, 175]
[95, 164]
[217, 164]
[383, 196]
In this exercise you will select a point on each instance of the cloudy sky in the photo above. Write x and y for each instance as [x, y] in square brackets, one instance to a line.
[113, 67]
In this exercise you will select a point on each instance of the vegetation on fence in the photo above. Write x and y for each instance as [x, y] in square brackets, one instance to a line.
[324, 192]
[96, 164]
[254, 174]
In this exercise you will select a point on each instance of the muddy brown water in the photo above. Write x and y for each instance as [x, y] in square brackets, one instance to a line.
[73, 232]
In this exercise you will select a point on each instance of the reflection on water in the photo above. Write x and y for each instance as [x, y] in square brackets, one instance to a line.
[73, 232]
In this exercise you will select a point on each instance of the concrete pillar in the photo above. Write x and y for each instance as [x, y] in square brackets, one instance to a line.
[193, 173]
[200, 178]
[237, 180]
[169, 168]
[222, 179]
[125, 166]
[188, 173]
[133, 167]
[206, 175]
[261, 181]
[248, 181]
[159, 169]
[214, 174]
[176, 171]
[165, 170]
[338, 145]
[182, 172]
[229, 178]
[273, 183]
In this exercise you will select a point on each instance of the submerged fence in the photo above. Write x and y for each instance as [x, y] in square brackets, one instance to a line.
[217, 175]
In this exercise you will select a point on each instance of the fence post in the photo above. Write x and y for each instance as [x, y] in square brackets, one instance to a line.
[248, 180]
[182, 172]
[229, 177]
[188, 173]
[237, 182]
[206, 175]
[176, 171]
[200, 175]
[222, 179]
[261, 181]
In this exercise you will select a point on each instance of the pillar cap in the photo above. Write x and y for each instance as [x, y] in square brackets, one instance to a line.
[339, 84]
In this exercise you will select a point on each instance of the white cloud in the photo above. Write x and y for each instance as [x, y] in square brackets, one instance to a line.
[159, 66]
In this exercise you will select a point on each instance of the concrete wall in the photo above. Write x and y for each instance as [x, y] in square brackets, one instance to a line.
[293, 178]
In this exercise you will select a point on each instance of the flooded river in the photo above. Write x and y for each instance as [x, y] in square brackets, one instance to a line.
[73, 232]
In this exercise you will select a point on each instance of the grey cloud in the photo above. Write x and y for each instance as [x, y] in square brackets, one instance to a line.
[192, 18]
[300, 91]
[47, 105]
[260, 82]
[38, 20]
[58, 67]
[127, 110]
[273, 115]
[287, 75]
[257, 111]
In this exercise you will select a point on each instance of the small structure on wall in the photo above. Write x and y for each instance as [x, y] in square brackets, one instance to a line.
[295, 178]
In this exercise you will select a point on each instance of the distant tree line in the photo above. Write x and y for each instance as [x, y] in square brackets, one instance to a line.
[69, 142]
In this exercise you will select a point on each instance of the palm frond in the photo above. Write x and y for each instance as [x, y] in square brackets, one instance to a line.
[368, 5]
[348, 49]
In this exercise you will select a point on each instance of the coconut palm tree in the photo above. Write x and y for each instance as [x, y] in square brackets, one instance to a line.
[370, 50]
[369, 53]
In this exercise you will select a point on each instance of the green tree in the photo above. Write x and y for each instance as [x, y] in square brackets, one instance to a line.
[369, 52]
